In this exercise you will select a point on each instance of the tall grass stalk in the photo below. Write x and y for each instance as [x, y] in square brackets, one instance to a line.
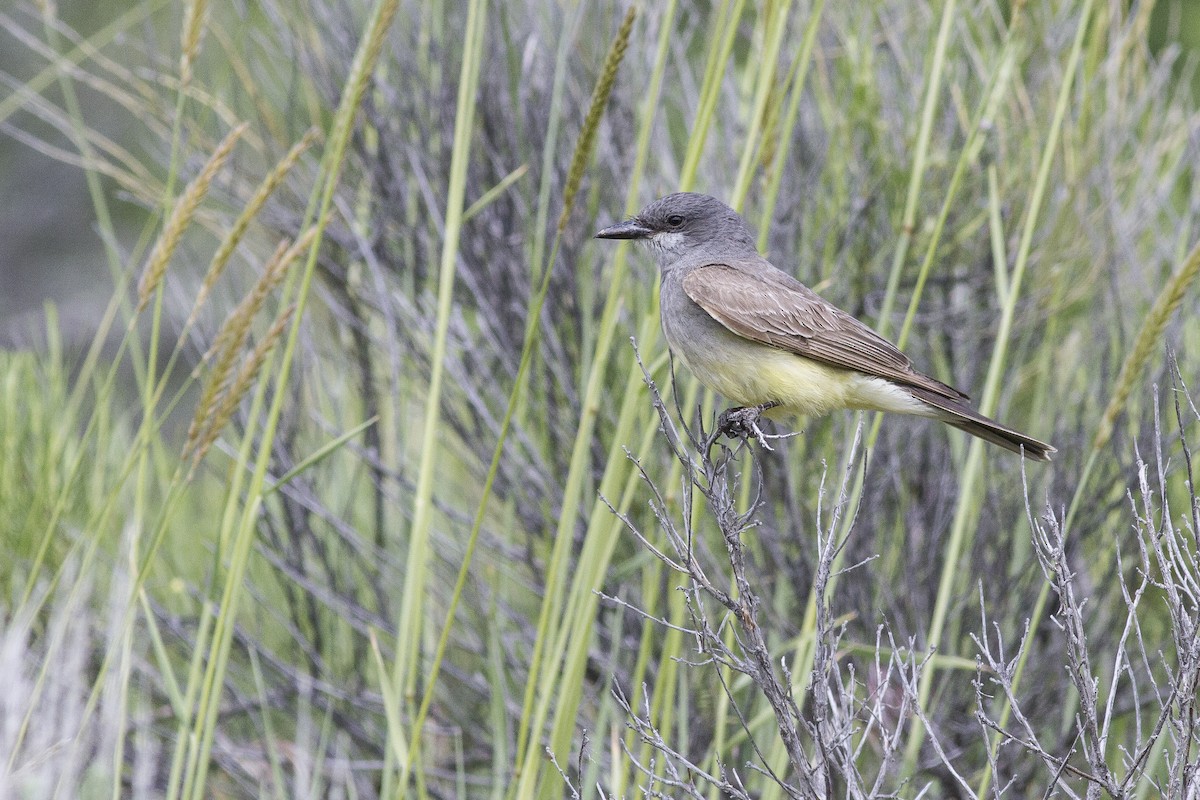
[412, 607]
[908, 221]
[725, 26]
[542, 673]
[177, 214]
[787, 123]
[201, 736]
[968, 501]
[583, 153]
[774, 25]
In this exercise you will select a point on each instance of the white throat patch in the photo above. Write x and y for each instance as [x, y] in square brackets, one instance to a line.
[667, 240]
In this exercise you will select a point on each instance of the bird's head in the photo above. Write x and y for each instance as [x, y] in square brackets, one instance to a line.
[684, 224]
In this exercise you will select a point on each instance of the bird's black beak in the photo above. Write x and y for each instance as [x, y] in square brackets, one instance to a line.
[629, 229]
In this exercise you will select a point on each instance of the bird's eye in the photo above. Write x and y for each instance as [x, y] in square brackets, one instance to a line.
[675, 220]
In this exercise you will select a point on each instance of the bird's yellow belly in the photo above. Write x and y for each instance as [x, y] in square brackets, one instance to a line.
[754, 374]
[750, 374]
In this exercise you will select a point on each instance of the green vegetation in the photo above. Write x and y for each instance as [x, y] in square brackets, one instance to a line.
[358, 487]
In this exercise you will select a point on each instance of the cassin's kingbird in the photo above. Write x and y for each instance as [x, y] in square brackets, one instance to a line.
[760, 338]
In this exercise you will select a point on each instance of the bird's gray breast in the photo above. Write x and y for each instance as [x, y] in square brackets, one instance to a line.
[691, 332]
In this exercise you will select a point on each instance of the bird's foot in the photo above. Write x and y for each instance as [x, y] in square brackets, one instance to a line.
[741, 423]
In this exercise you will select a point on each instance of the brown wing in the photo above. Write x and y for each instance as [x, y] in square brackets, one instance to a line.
[773, 308]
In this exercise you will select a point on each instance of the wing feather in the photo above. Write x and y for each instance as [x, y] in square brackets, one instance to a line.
[771, 307]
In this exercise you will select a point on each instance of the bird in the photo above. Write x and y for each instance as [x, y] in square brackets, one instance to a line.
[758, 337]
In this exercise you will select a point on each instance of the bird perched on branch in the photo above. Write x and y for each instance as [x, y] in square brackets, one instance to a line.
[761, 339]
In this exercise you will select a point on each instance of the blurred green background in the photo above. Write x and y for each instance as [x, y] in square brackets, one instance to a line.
[410, 445]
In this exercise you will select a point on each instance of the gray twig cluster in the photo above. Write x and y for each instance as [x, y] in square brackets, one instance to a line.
[1159, 688]
[847, 739]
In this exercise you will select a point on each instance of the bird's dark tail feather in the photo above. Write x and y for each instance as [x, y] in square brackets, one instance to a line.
[968, 419]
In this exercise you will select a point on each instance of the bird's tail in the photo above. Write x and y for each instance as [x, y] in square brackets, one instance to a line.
[968, 419]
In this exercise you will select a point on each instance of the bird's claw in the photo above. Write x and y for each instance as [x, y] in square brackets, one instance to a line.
[741, 423]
